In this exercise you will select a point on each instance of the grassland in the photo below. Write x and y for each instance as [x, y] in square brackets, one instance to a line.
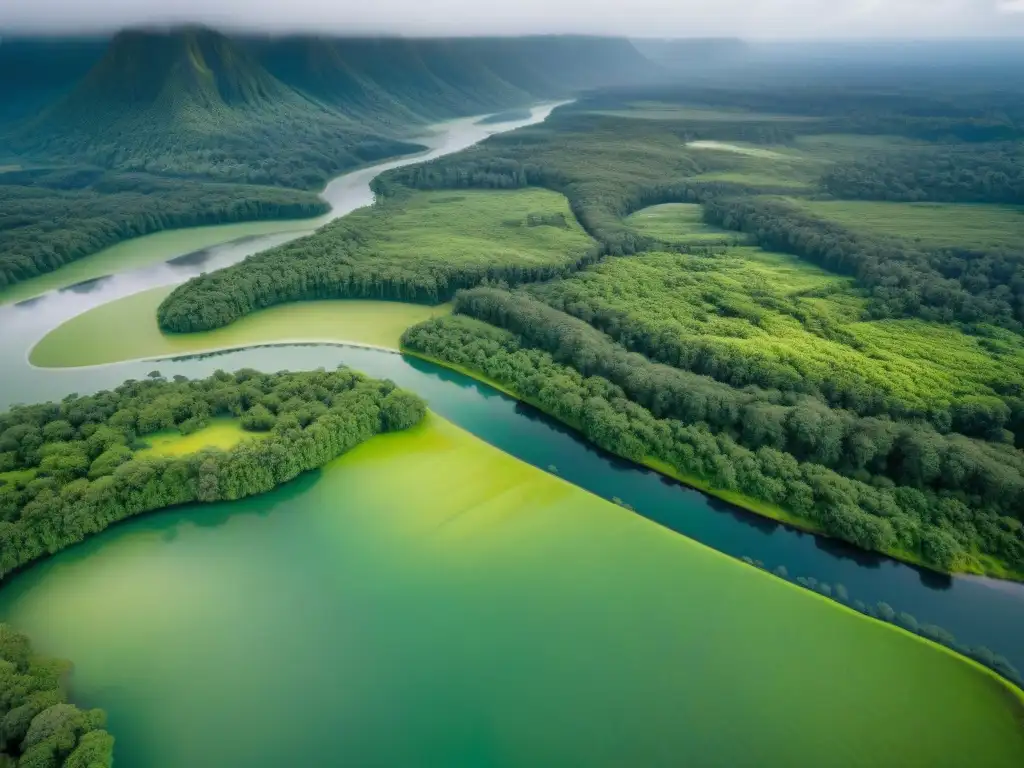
[523, 227]
[931, 225]
[451, 559]
[655, 110]
[221, 433]
[681, 224]
[86, 339]
[774, 311]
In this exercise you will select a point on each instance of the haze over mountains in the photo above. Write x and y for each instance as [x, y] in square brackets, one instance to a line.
[192, 101]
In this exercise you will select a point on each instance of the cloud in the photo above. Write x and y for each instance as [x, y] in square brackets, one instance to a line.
[662, 18]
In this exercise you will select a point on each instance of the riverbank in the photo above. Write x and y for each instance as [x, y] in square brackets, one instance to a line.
[86, 340]
[421, 568]
[755, 506]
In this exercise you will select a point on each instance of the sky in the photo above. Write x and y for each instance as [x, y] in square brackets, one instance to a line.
[752, 19]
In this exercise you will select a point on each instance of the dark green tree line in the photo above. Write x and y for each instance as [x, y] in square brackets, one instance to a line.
[75, 471]
[38, 727]
[977, 475]
[944, 285]
[935, 527]
[971, 174]
[49, 219]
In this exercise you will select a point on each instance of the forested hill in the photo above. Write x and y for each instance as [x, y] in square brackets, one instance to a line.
[293, 111]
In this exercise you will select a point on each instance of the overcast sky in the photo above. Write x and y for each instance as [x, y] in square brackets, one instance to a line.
[659, 18]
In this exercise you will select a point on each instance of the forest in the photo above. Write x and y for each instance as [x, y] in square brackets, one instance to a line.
[69, 470]
[744, 316]
[712, 436]
[419, 247]
[921, 463]
[50, 217]
[942, 284]
[39, 728]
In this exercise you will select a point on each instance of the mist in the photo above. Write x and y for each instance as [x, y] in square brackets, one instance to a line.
[752, 19]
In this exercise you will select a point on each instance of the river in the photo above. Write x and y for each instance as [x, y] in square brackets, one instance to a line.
[978, 611]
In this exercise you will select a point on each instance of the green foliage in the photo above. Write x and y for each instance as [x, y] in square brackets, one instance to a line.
[679, 224]
[401, 410]
[971, 489]
[92, 479]
[973, 174]
[49, 219]
[933, 226]
[744, 316]
[258, 419]
[418, 247]
[945, 285]
[38, 728]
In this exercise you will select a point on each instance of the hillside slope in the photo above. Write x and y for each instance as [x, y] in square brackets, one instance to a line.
[296, 110]
[194, 103]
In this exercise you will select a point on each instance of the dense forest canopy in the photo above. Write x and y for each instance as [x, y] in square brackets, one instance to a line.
[71, 469]
[419, 247]
[50, 217]
[39, 728]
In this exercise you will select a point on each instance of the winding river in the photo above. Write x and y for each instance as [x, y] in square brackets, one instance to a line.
[71, 602]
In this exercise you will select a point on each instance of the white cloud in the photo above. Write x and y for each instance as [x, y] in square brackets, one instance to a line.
[743, 18]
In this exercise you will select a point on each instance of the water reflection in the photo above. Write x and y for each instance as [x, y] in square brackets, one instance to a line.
[87, 286]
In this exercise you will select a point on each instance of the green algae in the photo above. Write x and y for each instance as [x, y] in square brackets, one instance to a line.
[428, 599]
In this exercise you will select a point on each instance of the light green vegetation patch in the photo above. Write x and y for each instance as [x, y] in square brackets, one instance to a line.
[523, 226]
[656, 110]
[841, 147]
[680, 223]
[222, 433]
[17, 476]
[413, 246]
[87, 340]
[740, 149]
[755, 179]
[430, 569]
[143, 251]
[933, 225]
[776, 310]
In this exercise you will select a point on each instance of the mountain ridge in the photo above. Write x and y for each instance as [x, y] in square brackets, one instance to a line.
[294, 110]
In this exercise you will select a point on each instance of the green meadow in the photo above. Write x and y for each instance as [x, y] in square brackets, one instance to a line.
[679, 223]
[776, 311]
[86, 340]
[221, 433]
[932, 225]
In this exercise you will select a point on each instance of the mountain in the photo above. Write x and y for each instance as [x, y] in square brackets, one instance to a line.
[295, 110]
[194, 103]
[441, 77]
[35, 72]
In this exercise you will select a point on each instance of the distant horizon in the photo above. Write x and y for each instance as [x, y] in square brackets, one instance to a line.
[228, 29]
[781, 21]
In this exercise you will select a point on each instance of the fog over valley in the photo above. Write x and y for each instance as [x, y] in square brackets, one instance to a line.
[763, 19]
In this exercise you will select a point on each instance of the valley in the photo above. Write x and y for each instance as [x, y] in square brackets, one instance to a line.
[592, 432]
